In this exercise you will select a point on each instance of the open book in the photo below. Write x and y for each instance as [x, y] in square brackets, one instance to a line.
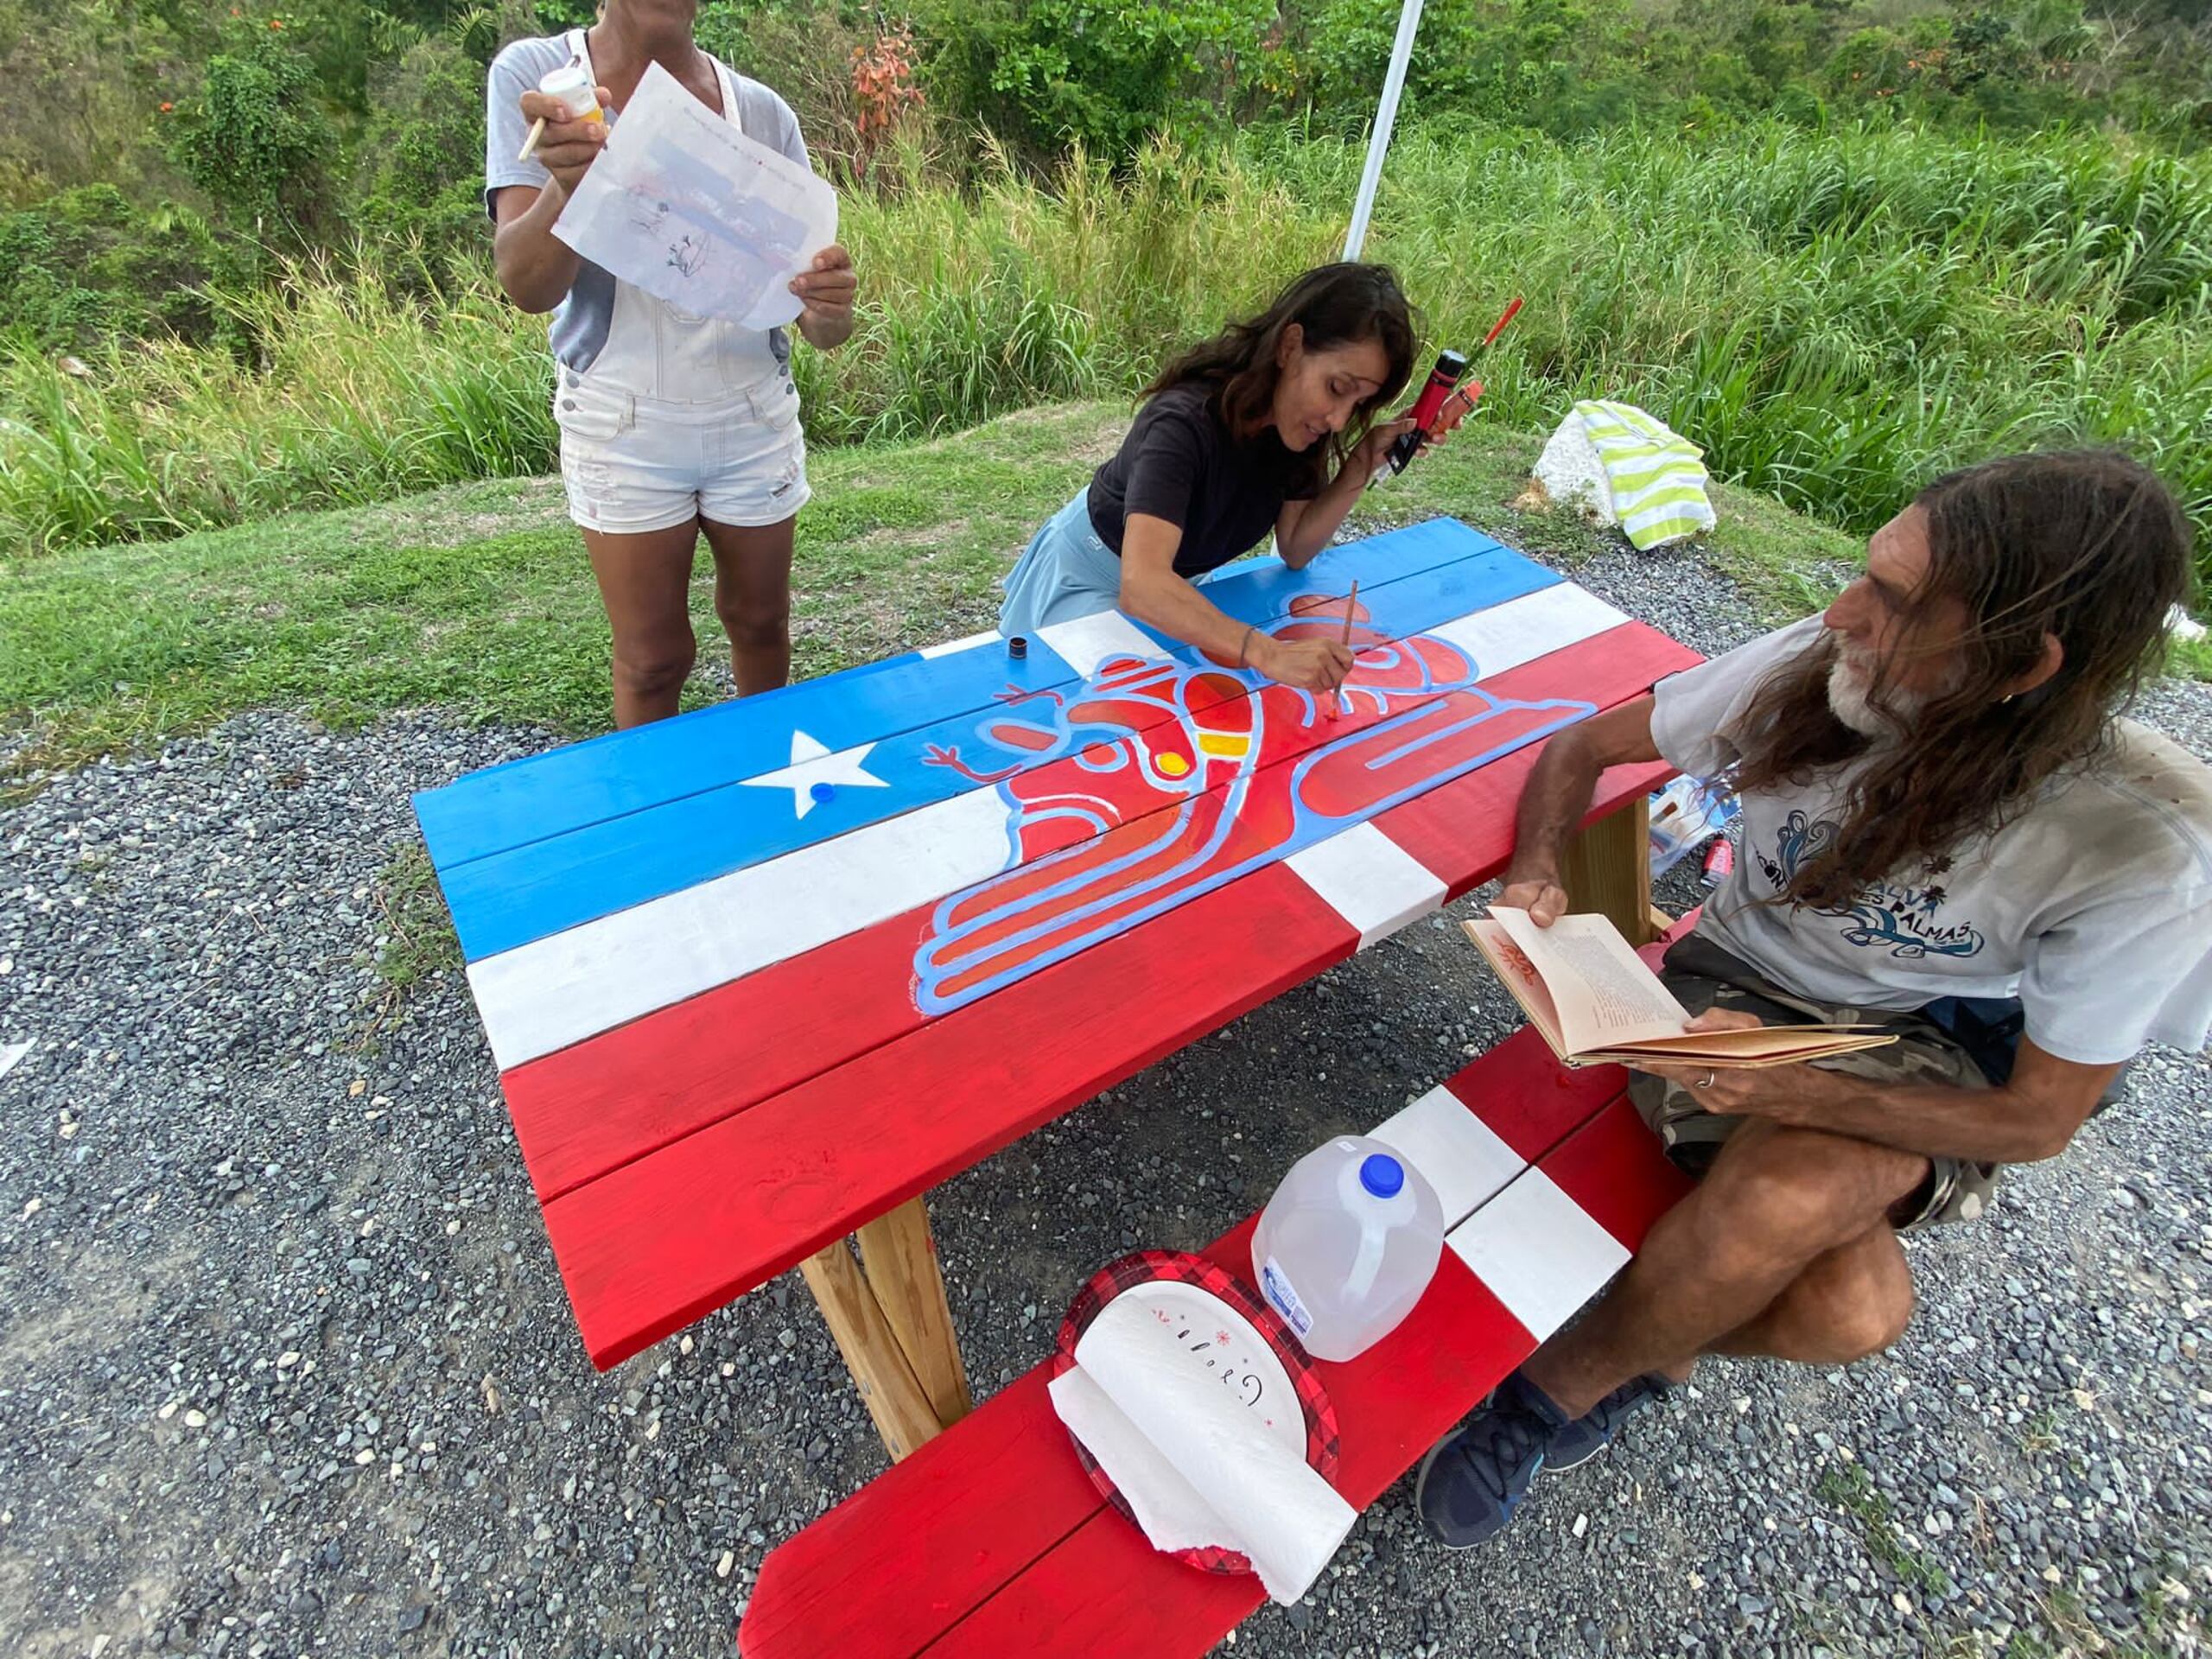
[1597, 1004]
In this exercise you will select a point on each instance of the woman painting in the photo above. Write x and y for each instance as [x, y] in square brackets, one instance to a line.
[1269, 426]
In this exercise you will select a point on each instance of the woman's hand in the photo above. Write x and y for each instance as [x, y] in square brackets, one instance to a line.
[1317, 666]
[566, 147]
[1372, 453]
[826, 294]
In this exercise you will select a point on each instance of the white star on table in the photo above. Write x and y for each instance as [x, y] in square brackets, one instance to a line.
[812, 764]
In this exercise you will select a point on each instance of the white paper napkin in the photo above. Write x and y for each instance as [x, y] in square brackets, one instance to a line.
[1197, 1466]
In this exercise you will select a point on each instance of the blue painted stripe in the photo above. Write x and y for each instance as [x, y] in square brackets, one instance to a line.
[522, 801]
[531, 891]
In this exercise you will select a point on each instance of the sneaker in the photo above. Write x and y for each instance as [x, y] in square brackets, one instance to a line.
[1592, 1432]
[1473, 1479]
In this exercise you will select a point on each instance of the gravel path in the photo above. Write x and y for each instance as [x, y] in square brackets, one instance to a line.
[285, 1366]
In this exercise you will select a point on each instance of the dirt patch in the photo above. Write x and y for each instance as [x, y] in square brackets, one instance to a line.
[480, 512]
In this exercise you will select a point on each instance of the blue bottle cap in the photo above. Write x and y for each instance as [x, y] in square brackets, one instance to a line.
[824, 792]
[1382, 1175]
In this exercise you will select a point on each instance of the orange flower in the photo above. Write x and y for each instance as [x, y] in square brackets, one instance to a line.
[166, 108]
[275, 23]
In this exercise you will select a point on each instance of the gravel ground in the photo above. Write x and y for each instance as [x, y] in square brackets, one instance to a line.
[285, 1366]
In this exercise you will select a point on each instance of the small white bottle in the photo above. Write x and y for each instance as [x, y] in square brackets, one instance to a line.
[1347, 1245]
[579, 98]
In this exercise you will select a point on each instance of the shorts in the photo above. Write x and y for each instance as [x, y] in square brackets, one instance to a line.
[1066, 571]
[636, 465]
[1703, 975]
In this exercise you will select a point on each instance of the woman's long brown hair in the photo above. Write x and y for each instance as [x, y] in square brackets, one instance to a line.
[2085, 545]
[1333, 305]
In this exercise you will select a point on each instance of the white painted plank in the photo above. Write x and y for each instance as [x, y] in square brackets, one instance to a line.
[1456, 1152]
[1088, 641]
[1536, 625]
[1369, 880]
[990, 637]
[560, 990]
[1538, 1251]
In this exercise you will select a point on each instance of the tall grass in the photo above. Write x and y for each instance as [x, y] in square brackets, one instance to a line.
[1833, 315]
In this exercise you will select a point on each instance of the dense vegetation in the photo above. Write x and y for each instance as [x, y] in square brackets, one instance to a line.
[1840, 241]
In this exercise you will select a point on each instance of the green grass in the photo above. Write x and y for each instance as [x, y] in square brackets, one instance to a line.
[478, 598]
[416, 942]
[1847, 1486]
[1833, 314]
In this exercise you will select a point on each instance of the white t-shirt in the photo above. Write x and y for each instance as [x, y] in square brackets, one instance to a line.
[2094, 905]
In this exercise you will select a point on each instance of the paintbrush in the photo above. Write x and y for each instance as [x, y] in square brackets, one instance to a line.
[579, 101]
[1465, 396]
[1352, 600]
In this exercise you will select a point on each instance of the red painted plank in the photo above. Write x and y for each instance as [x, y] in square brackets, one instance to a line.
[913, 1551]
[658, 1243]
[1435, 828]
[591, 1109]
[1527, 1098]
[1105, 1591]
[988, 1511]
[1614, 1167]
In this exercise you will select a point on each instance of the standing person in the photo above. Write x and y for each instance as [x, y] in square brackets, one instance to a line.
[1948, 831]
[671, 425]
[1267, 426]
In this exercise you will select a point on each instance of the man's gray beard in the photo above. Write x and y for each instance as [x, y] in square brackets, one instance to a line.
[1848, 701]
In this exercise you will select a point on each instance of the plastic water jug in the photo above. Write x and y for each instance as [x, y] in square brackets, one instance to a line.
[1347, 1244]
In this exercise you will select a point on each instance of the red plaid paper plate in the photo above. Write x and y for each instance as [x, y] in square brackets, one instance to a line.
[1228, 1330]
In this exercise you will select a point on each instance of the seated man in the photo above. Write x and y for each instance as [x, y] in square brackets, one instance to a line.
[1941, 811]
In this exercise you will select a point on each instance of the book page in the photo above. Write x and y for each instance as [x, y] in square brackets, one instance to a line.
[1519, 975]
[1766, 1046]
[1604, 994]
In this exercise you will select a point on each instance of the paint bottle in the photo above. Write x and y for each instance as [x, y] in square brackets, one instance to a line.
[1719, 861]
[1450, 366]
[579, 98]
[1347, 1244]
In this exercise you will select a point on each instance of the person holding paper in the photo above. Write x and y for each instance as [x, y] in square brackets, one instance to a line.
[672, 426]
[1950, 831]
[1267, 426]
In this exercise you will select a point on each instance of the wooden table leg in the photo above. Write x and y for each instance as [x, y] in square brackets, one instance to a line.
[900, 1257]
[888, 1313]
[1608, 869]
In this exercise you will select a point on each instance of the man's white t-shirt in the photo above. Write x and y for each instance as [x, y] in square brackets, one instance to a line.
[2093, 905]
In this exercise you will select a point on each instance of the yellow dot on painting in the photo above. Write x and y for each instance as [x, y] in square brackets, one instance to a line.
[1174, 765]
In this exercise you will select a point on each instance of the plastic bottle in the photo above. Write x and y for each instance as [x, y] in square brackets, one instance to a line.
[1347, 1244]
[574, 88]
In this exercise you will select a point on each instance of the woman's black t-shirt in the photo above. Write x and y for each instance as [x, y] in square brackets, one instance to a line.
[1181, 463]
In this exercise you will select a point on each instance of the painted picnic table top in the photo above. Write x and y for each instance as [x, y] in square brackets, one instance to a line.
[760, 973]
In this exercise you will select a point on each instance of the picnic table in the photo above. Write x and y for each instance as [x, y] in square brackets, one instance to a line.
[759, 978]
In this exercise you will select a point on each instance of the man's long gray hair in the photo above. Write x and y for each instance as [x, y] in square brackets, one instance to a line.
[2086, 545]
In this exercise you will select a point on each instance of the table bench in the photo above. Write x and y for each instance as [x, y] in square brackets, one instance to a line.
[992, 1541]
[909, 900]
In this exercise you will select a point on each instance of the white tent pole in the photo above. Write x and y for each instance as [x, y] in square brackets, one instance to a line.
[1386, 117]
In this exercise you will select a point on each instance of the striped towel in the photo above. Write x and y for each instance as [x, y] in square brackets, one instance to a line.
[1656, 477]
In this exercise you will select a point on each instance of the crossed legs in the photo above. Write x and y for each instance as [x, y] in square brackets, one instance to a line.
[1784, 1249]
